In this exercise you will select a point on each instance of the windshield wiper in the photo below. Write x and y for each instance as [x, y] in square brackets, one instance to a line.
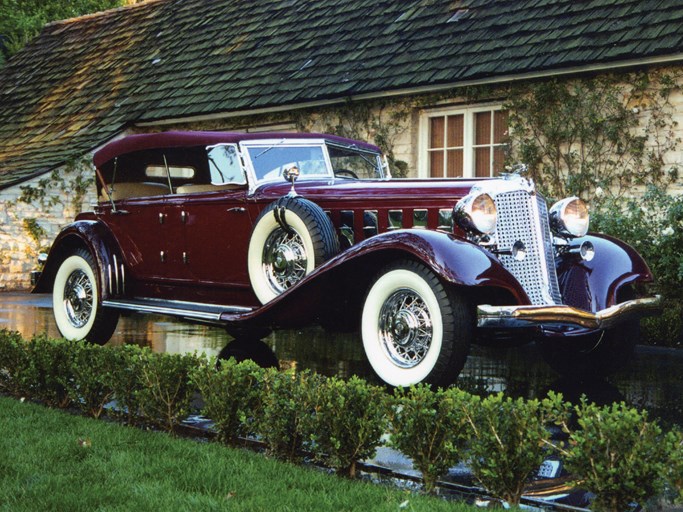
[269, 148]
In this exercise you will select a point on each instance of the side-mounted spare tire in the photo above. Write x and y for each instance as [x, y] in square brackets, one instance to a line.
[291, 237]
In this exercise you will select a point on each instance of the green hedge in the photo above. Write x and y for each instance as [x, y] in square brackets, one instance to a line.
[615, 451]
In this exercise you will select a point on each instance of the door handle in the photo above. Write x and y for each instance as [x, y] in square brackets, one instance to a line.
[238, 209]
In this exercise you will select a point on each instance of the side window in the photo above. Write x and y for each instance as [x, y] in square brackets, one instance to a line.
[224, 165]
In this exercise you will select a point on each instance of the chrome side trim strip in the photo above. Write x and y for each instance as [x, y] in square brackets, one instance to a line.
[529, 316]
[211, 312]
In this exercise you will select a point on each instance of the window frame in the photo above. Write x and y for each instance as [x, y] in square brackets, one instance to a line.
[469, 146]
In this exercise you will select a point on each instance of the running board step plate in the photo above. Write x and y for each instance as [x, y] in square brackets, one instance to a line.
[194, 310]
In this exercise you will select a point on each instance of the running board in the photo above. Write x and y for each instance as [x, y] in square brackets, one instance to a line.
[192, 310]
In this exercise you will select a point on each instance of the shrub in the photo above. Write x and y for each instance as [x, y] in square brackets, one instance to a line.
[617, 454]
[231, 393]
[653, 225]
[91, 369]
[288, 401]
[349, 421]
[507, 442]
[15, 367]
[430, 427]
[126, 382]
[50, 370]
[675, 463]
[165, 392]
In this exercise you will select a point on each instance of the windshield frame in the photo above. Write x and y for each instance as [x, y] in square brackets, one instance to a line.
[247, 148]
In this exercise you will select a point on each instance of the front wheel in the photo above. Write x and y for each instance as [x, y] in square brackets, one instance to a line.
[414, 328]
[76, 301]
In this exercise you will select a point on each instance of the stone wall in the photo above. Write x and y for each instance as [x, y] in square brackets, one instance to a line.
[20, 244]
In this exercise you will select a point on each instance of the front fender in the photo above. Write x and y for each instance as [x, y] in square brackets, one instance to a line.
[341, 282]
[594, 285]
[94, 236]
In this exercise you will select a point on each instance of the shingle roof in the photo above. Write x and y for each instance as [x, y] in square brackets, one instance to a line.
[83, 80]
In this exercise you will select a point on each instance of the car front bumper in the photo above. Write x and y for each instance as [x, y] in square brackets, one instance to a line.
[508, 317]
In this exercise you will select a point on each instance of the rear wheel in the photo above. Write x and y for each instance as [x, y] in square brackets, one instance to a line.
[414, 328]
[76, 301]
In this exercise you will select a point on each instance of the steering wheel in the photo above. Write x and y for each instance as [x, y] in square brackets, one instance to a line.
[345, 173]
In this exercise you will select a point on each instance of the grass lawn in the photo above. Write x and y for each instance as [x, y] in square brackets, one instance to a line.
[44, 466]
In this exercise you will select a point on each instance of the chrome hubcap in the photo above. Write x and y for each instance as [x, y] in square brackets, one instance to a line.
[78, 298]
[405, 328]
[284, 259]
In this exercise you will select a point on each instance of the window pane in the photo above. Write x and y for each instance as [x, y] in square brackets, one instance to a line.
[482, 165]
[482, 128]
[436, 132]
[454, 157]
[436, 164]
[498, 159]
[455, 133]
[500, 126]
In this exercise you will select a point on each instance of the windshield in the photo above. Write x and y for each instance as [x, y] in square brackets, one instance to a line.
[270, 162]
[353, 163]
[313, 159]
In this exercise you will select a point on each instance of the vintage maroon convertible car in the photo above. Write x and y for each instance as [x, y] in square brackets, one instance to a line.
[216, 228]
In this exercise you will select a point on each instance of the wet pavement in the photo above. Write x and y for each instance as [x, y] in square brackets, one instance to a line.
[654, 380]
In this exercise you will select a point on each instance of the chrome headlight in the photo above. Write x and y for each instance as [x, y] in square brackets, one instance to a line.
[569, 217]
[476, 212]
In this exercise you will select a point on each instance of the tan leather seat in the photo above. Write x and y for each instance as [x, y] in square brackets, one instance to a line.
[127, 190]
[193, 189]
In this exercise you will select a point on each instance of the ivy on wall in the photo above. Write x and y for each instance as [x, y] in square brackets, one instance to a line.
[609, 133]
[66, 187]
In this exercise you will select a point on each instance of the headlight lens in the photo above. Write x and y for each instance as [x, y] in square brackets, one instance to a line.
[569, 217]
[476, 212]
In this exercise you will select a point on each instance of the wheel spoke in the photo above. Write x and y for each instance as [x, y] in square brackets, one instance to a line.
[284, 259]
[78, 298]
[405, 328]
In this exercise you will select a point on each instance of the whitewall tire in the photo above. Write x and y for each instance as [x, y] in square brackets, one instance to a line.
[281, 253]
[414, 329]
[76, 301]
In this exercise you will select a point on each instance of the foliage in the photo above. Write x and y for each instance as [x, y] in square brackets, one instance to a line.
[580, 135]
[231, 393]
[165, 392]
[349, 421]
[675, 464]
[430, 427]
[125, 375]
[90, 383]
[653, 225]
[72, 182]
[287, 403]
[508, 440]
[617, 454]
[49, 369]
[14, 363]
[22, 20]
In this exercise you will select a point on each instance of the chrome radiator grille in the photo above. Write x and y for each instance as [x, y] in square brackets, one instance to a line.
[523, 216]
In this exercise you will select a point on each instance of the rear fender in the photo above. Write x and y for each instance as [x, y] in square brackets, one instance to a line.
[98, 239]
[594, 285]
